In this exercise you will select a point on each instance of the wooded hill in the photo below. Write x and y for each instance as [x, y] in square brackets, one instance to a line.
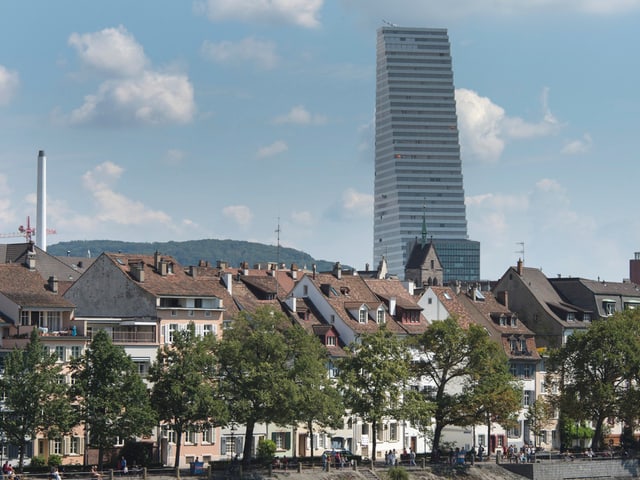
[190, 252]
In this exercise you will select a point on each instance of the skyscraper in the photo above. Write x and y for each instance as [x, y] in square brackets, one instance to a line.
[418, 170]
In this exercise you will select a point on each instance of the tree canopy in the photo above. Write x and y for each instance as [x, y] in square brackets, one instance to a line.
[112, 397]
[263, 359]
[599, 371]
[35, 401]
[185, 387]
[374, 377]
[467, 373]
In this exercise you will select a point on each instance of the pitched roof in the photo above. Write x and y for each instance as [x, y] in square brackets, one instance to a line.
[27, 288]
[419, 253]
[482, 312]
[392, 288]
[347, 293]
[45, 264]
[448, 298]
[176, 283]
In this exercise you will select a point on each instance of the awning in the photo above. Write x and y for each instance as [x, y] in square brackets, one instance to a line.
[129, 323]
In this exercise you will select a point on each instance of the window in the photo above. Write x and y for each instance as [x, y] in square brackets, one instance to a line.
[282, 440]
[503, 321]
[59, 351]
[174, 313]
[514, 321]
[527, 398]
[393, 432]
[513, 345]
[171, 436]
[173, 327]
[207, 313]
[305, 290]
[76, 350]
[586, 317]
[362, 315]
[512, 432]
[482, 440]
[380, 316]
[208, 329]
[571, 316]
[57, 446]
[526, 371]
[543, 387]
[331, 340]
[513, 369]
[430, 300]
[207, 436]
[380, 432]
[609, 307]
[191, 437]
[25, 318]
[523, 345]
[74, 446]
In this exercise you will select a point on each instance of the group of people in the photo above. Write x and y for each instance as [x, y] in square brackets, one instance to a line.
[7, 470]
[409, 458]
[526, 454]
[332, 458]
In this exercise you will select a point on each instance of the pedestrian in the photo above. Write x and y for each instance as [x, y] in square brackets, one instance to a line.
[412, 458]
[324, 462]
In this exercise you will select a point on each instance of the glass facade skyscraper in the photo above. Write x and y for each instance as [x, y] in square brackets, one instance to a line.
[418, 170]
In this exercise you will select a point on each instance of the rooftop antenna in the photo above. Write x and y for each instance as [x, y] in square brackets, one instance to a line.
[277, 230]
[389, 24]
[521, 251]
[424, 223]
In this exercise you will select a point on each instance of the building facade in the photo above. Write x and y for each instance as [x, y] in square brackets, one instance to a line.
[417, 166]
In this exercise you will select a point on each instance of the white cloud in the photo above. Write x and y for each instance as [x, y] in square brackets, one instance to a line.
[112, 50]
[6, 208]
[485, 127]
[357, 204]
[174, 157]
[113, 206]
[133, 93]
[303, 13]
[303, 218]
[9, 83]
[576, 147]
[261, 53]
[299, 115]
[241, 214]
[153, 98]
[274, 149]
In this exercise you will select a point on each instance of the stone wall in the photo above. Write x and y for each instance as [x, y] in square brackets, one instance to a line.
[587, 469]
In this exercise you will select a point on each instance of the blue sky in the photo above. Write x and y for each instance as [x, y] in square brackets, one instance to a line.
[177, 120]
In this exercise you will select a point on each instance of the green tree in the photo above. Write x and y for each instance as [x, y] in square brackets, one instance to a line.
[491, 392]
[35, 401]
[317, 400]
[373, 378]
[258, 371]
[184, 376]
[112, 398]
[598, 370]
[539, 416]
[467, 374]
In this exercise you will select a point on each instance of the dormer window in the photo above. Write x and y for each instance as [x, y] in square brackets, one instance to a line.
[380, 316]
[523, 344]
[513, 345]
[331, 341]
[362, 315]
[609, 307]
[586, 317]
[571, 316]
[514, 321]
[503, 321]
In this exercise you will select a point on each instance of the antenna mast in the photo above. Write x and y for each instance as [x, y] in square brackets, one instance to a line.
[521, 251]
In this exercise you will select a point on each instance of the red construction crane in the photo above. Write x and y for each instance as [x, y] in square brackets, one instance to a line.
[26, 232]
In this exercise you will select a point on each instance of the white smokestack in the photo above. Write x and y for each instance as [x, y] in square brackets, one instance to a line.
[41, 225]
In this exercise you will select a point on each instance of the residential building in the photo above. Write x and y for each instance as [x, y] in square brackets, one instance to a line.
[417, 153]
[141, 301]
[539, 305]
[598, 298]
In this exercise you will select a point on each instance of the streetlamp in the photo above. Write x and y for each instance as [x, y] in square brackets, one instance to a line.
[233, 440]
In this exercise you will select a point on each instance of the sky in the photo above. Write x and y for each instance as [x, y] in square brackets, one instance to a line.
[235, 119]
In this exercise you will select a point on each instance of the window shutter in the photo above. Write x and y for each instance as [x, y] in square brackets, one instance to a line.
[273, 437]
[223, 446]
[239, 444]
[287, 440]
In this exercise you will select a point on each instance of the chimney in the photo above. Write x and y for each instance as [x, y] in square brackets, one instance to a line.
[410, 286]
[193, 271]
[222, 264]
[315, 270]
[30, 260]
[291, 303]
[366, 267]
[53, 284]
[503, 298]
[41, 223]
[520, 267]
[337, 270]
[156, 261]
[227, 278]
[392, 306]
[137, 271]
[458, 288]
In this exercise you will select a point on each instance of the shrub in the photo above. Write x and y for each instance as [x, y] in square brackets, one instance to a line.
[38, 461]
[266, 451]
[54, 460]
[397, 473]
